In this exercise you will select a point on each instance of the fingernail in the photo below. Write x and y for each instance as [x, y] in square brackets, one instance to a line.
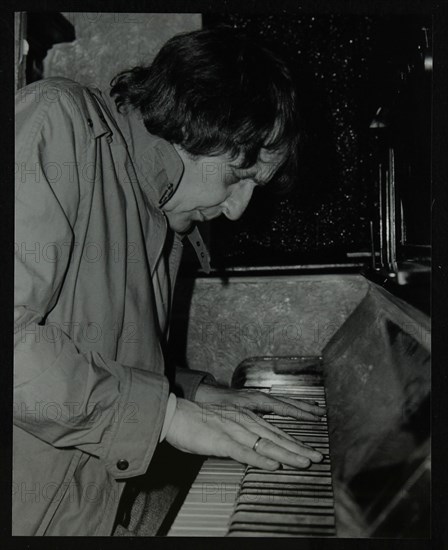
[303, 462]
[273, 464]
[317, 457]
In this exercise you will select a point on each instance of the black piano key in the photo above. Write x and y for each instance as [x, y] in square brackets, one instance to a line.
[284, 500]
[287, 477]
[268, 531]
[286, 494]
[281, 518]
[291, 471]
[284, 509]
[288, 490]
[322, 467]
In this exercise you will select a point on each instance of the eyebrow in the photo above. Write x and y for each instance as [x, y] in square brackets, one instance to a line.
[236, 169]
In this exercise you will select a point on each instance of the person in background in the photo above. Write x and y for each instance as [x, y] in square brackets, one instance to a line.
[109, 189]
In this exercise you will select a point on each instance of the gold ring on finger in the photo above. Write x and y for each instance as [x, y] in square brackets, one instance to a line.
[257, 442]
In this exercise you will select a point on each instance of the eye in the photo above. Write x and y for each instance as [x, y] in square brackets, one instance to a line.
[231, 178]
[244, 173]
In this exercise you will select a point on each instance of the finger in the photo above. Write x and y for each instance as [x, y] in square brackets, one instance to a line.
[283, 408]
[257, 426]
[296, 447]
[308, 406]
[275, 452]
[297, 409]
[246, 455]
[261, 422]
[275, 431]
[266, 403]
[235, 412]
[261, 427]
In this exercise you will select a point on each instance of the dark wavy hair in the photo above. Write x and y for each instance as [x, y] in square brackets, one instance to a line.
[216, 91]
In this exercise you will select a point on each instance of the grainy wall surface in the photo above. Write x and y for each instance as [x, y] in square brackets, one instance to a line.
[107, 43]
[216, 323]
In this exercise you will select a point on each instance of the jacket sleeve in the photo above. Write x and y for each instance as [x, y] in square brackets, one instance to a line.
[187, 382]
[65, 396]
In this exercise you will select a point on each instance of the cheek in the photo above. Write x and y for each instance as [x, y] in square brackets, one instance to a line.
[216, 196]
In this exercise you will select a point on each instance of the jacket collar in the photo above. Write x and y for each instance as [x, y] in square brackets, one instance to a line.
[159, 166]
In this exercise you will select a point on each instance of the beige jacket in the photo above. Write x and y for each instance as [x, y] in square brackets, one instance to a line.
[92, 298]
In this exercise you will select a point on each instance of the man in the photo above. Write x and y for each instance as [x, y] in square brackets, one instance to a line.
[107, 189]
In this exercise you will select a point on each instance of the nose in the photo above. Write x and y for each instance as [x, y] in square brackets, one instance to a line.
[236, 203]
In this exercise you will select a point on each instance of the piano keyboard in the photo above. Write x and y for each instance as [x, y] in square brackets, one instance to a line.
[230, 499]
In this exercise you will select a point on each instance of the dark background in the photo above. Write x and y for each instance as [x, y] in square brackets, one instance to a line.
[346, 67]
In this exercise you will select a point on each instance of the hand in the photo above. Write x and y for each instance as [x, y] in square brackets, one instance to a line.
[205, 430]
[259, 402]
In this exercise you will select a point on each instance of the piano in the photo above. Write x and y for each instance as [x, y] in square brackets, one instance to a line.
[373, 374]
[371, 369]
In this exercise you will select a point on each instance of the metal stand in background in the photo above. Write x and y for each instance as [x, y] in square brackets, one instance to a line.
[387, 216]
[401, 131]
[20, 50]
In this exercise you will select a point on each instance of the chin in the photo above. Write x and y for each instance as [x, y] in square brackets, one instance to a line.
[181, 226]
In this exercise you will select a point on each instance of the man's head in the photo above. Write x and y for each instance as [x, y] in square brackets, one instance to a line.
[228, 106]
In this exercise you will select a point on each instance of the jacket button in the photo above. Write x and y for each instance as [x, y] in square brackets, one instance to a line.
[89, 122]
[122, 464]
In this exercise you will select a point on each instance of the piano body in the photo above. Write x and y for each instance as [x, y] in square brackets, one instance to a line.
[364, 351]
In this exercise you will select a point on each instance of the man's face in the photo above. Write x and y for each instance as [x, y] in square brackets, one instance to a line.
[211, 186]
